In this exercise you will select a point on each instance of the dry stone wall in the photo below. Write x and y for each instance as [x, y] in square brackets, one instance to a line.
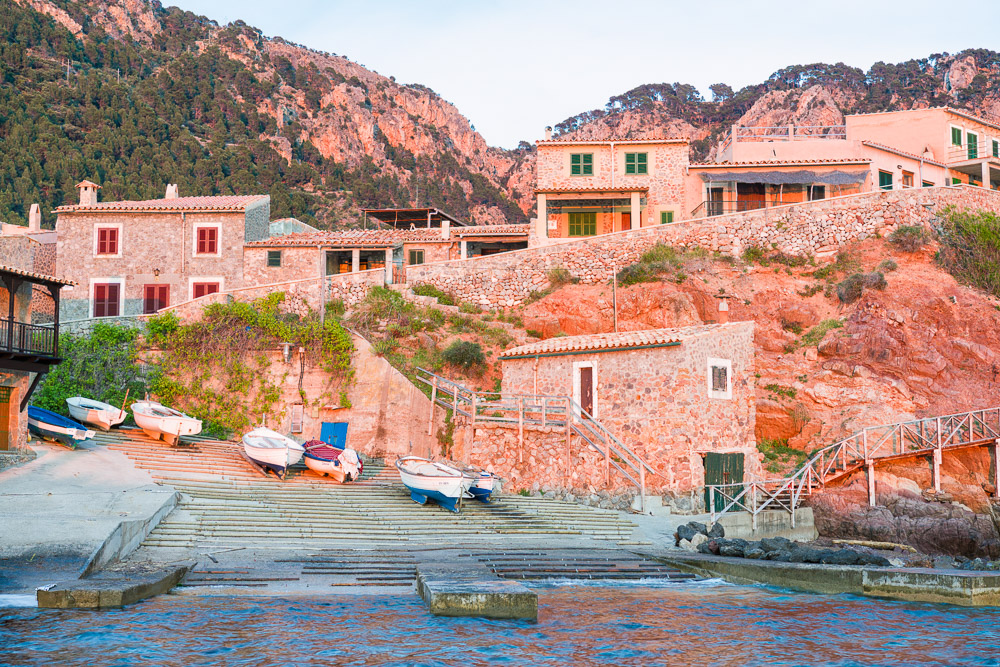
[812, 228]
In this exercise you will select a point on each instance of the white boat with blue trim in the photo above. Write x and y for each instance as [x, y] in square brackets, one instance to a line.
[96, 413]
[270, 449]
[430, 480]
[163, 423]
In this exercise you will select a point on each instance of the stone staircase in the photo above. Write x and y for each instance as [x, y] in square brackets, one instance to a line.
[228, 504]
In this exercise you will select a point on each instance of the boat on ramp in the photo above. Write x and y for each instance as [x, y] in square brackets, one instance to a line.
[50, 425]
[432, 480]
[272, 450]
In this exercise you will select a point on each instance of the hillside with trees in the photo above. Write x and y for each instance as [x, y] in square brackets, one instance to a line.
[134, 96]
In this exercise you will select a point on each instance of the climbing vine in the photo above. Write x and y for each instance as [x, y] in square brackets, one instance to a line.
[217, 369]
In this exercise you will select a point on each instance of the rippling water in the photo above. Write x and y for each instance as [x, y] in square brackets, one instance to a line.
[694, 624]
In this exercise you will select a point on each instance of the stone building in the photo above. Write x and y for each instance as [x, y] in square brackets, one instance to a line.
[29, 333]
[682, 399]
[136, 257]
[586, 188]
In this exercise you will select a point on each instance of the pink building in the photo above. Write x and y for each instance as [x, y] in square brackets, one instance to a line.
[585, 188]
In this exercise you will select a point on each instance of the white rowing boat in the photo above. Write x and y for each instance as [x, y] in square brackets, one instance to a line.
[97, 413]
[272, 450]
[432, 480]
[163, 423]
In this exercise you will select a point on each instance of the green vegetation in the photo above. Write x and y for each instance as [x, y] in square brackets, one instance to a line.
[813, 337]
[781, 390]
[779, 457]
[764, 257]
[101, 365]
[851, 288]
[215, 369]
[909, 238]
[659, 261]
[427, 289]
[794, 327]
[464, 354]
[970, 248]
[886, 266]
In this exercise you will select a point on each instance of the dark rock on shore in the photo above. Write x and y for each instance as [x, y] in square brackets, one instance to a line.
[785, 551]
[686, 534]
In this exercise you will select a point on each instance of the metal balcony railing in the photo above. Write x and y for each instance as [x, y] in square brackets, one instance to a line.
[715, 207]
[743, 134]
[974, 150]
[23, 338]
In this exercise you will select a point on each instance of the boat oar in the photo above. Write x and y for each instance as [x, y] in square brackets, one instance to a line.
[127, 390]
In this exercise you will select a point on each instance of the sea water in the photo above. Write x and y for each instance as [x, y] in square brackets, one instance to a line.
[596, 624]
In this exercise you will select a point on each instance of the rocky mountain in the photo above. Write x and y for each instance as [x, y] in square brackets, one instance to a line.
[137, 95]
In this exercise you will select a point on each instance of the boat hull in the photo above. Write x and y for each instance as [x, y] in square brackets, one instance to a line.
[444, 489]
[327, 460]
[95, 413]
[66, 432]
[269, 449]
[167, 428]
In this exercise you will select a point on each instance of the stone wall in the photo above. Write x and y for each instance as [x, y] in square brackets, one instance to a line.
[812, 228]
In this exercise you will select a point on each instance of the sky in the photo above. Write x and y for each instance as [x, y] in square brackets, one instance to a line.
[514, 66]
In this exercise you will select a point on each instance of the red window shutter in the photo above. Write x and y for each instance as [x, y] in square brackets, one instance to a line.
[100, 300]
[112, 241]
[112, 307]
[163, 297]
[155, 298]
[204, 289]
[208, 241]
[106, 301]
[199, 290]
[107, 241]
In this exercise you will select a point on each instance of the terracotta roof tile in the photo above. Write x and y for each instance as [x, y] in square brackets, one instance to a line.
[386, 238]
[621, 340]
[220, 203]
[641, 188]
[492, 230]
[772, 163]
[896, 151]
[608, 142]
[36, 276]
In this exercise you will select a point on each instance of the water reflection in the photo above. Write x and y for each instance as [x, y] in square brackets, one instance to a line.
[697, 624]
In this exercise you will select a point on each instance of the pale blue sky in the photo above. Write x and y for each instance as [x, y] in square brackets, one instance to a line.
[514, 67]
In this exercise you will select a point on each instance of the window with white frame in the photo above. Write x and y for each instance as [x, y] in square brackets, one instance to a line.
[207, 240]
[719, 377]
[108, 240]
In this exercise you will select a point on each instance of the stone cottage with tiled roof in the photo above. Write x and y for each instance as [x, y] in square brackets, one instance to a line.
[682, 399]
[136, 257]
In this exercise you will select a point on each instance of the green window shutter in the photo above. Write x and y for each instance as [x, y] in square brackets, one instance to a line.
[955, 181]
[582, 224]
[956, 136]
[973, 145]
[629, 163]
[996, 148]
[574, 164]
[640, 163]
[588, 164]
[885, 180]
[666, 217]
[274, 258]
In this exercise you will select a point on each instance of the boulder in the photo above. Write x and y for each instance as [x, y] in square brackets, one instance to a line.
[685, 532]
[807, 555]
[716, 531]
[754, 552]
[733, 548]
[776, 544]
[841, 557]
[699, 527]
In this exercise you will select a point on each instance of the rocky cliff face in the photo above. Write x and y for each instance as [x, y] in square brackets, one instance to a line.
[923, 346]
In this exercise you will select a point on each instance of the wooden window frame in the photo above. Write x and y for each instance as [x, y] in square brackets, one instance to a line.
[890, 183]
[578, 389]
[582, 225]
[636, 163]
[274, 258]
[103, 304]
[581, 164]
[907, 180]
[158, 305]
[196, 241]
[205, 286]
[413, 254]
[666, 217]
[114, 227]
[715, 365]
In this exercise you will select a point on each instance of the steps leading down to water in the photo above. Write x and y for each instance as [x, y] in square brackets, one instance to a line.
[228, 504]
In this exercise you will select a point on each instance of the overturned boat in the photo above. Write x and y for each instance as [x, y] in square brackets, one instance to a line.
[272, 450]
[163, 423]
[96, 413]
[53, 426]
[343, 465]
[428, 479]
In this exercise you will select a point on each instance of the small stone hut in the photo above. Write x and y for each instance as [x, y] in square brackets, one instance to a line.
[682, 399]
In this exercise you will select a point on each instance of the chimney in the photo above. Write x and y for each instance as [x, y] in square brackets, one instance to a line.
[723, 311]
[34, 218]
[548, 132]
[171, 191]
[88, 193]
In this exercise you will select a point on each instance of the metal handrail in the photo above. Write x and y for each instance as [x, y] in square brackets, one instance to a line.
[541, 410]
[982, 148]
[861, 448]
[26, 338]
[789, 132]
[713, 207]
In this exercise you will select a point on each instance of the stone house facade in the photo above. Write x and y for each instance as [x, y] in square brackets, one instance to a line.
[138, 257]
[672, 396]
[586, 188]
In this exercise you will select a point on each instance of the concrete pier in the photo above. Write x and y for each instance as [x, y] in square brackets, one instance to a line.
[967, 589]
[115, 589]
[468, 589]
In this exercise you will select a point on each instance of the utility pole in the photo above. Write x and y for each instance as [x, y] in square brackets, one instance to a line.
[614, 292]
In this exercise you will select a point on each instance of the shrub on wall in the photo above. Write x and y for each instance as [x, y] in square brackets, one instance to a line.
[99, 365]
[464, 354]
[909, 238]
[216, 368]
[970, 248]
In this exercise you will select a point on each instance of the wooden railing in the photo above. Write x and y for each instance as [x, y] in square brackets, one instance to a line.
[713, 207]
[931, 436]
[24, 338]
[556, 412]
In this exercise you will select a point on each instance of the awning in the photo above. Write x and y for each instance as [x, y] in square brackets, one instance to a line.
[802, 177]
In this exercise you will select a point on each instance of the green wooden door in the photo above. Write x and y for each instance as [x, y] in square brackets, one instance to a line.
[722, 469]
[973, 142]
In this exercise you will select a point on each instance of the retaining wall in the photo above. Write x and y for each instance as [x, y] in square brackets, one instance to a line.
[810, 228]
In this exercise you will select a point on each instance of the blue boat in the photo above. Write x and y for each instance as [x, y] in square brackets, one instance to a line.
[53, 426]
[482, 484]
